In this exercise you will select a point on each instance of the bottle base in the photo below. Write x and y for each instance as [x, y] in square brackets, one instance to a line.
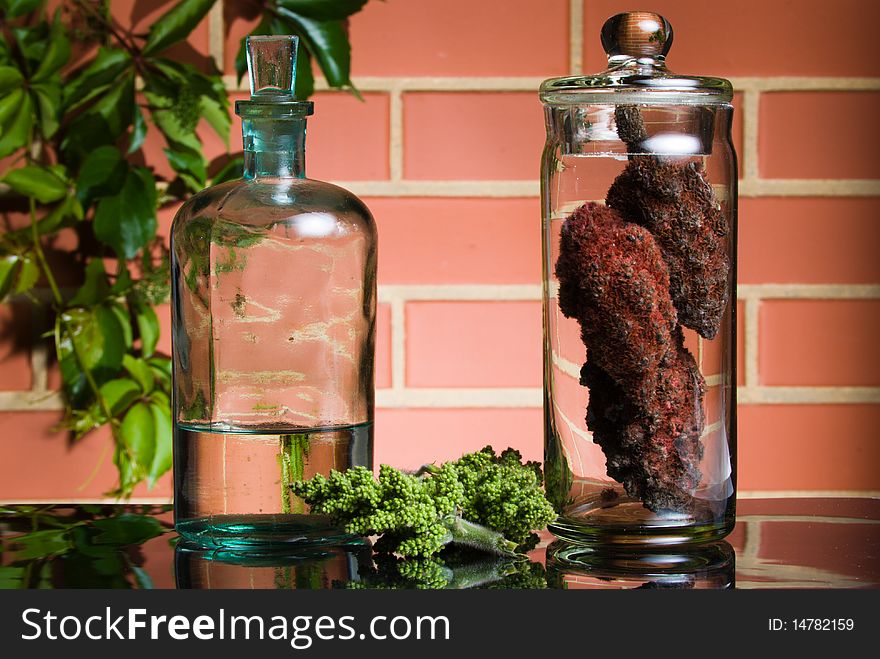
[624, 521]
[261, 531]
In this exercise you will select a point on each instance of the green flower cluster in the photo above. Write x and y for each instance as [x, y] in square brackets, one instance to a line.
[503, 493]
[482, 500]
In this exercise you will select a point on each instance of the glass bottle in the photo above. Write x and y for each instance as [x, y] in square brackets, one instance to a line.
[273, 327]
[639, 245]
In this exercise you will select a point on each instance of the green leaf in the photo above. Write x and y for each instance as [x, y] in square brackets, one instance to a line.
[176, 24]
[56, 55]
[11, 577]
[324, 9]
[14, 131]
[127, 221]
[230, 171]
[48, 97]
[104, 121]
[99, 339]
[139, 131]
[189, 166]
[102, 173]
[328, 43]
[305, 78]
[138, 433]
[95, 289]
[217, 117]
[161, 371]
[107, 66]
[16, 8]
[127, 529]
[28, 274]
[148, 327]
[41, 183]
[120, 393]
[18, 273]
[41, 544]
[10, 79]
[140, 371]
[8, 266]
[124, 319]
[162, 456]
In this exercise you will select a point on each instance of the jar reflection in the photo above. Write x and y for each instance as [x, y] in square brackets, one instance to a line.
[708, 566]
[272, 568]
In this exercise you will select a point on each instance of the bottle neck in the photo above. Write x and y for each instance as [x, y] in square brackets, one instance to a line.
[274, 148]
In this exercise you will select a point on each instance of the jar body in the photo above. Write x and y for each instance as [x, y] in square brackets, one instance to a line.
[639, 250]
[273, 322]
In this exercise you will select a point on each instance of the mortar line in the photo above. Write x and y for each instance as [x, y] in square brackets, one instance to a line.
[575, 36]
[751, 114]
[531, 83]
[398, 345]
[216, 35]
[395, 142]
[751, 327]
[39, 352]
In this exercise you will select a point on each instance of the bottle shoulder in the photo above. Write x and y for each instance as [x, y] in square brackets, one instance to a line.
[262, 202]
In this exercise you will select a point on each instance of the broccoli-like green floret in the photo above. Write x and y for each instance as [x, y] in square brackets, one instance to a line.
[503, 493]
[484, 501]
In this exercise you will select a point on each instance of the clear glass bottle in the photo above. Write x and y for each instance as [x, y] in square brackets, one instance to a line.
[273, 327]
[639, 243]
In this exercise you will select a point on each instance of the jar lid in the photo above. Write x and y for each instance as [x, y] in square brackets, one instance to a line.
[636, 44]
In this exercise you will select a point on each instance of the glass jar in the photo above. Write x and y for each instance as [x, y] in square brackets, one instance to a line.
[273, 327]
[639, 245]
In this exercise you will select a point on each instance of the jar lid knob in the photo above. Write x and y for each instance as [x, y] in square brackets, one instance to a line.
[640, 35]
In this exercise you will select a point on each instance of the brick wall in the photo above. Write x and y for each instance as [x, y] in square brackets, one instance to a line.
[445, 151]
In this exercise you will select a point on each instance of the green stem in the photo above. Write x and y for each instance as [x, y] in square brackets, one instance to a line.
[59, 304]
[479, 537]
[294, 449]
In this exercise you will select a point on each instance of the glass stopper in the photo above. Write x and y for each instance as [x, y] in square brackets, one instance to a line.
[636, 35]
[272, 65]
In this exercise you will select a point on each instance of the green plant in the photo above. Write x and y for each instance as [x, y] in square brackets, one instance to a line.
[86, 546]
[487, 502]
[72, 132]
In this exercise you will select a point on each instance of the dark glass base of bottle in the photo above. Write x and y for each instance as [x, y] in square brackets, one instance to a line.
[261, 531]
[626, 522]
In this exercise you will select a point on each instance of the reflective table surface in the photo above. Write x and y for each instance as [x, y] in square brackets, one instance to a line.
[777, 543]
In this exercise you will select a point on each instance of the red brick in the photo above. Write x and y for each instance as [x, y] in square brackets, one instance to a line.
[409, 438]
[809, 240]
[473, 344]
[472, 135]
[458, 241]
[819, 135]
[461, 38]
[41, 465]
[753, 37]
[383, 346]
[808, 447]
[16, 337]
[347, 138]
[820, 342]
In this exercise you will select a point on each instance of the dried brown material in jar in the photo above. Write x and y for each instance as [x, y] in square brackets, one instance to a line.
[654, 452]
[676, 203]
[613, 280]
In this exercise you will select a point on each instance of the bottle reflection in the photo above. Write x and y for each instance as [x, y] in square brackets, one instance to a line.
[277, 568]
[707, 566]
